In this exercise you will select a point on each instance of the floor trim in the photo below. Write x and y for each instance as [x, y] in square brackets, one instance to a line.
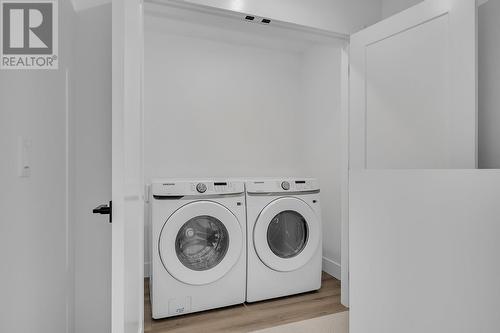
[332, 268]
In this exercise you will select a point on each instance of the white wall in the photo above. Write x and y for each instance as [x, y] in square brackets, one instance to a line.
[36, 279]
[489, 85]
[342, 16]
[391, 7]
[92, 167]
[208, 103]
[322, 142]
[58, 260]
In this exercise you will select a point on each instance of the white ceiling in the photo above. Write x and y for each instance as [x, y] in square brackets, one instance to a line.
[86, 4]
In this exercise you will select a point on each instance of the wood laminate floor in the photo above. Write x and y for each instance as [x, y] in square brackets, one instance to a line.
[251, 317]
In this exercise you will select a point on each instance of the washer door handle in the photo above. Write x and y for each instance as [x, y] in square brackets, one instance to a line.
[105, 210]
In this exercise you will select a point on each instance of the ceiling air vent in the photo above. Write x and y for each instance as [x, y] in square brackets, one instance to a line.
[255, 19]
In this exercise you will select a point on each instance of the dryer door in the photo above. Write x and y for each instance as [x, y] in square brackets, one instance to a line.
[286, 235]
[200, 242]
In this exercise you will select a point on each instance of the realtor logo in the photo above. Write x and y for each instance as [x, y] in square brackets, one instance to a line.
[29, 34]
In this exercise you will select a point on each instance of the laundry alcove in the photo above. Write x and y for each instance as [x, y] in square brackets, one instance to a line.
[254, 107]
[227, 96]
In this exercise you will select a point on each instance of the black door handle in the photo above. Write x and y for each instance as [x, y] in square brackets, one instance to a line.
[105, 210]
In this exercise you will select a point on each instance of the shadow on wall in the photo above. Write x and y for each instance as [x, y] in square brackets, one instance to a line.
[489, 85]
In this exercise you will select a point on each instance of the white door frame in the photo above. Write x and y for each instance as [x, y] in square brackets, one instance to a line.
[344, 109]
[127, 168]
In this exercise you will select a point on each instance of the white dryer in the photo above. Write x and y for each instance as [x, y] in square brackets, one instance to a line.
[198, 246]
[284, 238]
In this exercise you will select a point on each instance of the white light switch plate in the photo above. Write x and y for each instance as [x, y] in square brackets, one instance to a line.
[24, 151]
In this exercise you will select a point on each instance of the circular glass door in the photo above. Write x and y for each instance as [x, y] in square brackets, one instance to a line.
[200, 242]
[287, 234]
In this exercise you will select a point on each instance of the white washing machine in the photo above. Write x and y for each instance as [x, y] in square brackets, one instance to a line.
[284, 238]
[198, 246]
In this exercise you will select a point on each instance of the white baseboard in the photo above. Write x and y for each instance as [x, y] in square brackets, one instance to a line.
[331, 267]
[147, 266]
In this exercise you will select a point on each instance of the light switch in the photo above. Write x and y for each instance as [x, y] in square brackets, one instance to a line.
[24, 151]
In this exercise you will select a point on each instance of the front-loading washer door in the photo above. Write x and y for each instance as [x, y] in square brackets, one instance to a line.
[286, 234]
[200, 242]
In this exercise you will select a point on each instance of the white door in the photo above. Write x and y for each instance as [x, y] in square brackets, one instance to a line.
[413, 89]
[423, 244]
[127, 170]
[412, 94]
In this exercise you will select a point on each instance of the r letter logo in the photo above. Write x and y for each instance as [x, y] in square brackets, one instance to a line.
[29, 34]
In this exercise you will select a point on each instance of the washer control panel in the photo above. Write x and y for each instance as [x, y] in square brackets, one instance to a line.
[196, 188]
[282, 185]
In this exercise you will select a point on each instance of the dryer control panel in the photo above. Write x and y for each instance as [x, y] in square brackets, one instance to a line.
[282, 185]
[196, 188]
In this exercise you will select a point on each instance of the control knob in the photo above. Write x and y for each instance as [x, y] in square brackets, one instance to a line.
[201, 188]
[285, 185]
